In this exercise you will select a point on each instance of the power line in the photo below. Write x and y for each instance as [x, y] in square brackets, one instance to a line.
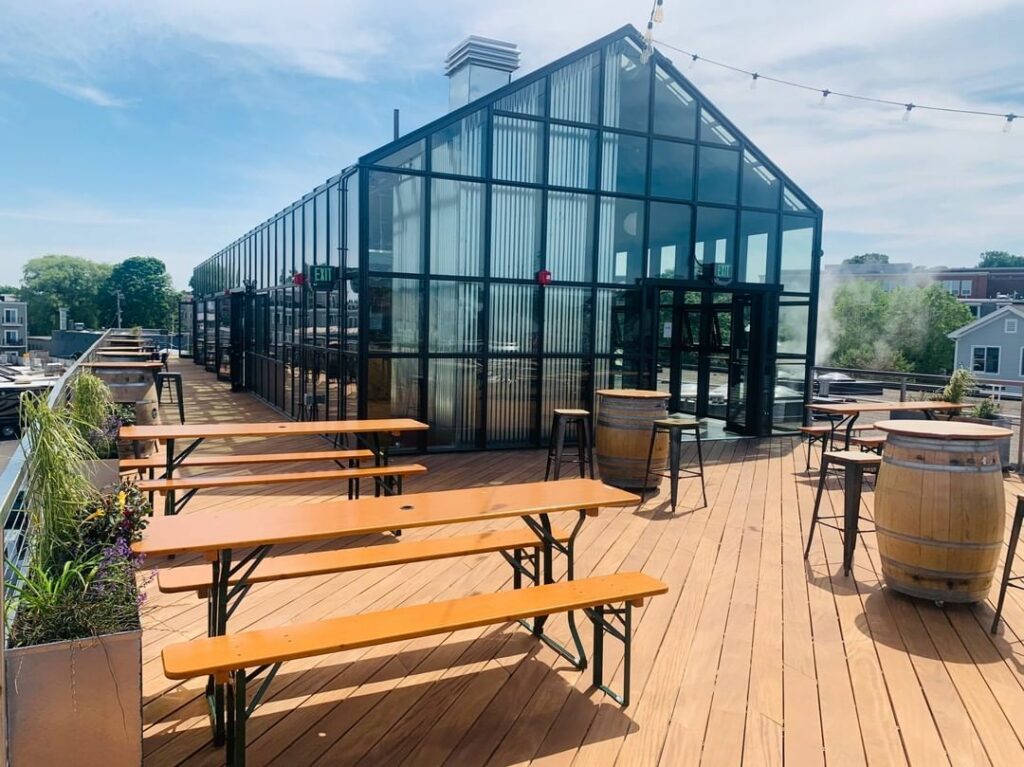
[908, 106]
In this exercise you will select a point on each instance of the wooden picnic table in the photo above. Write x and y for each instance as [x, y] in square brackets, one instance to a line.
[218, 534]
[126, 365]
[368, 432]
[124, 353]
[848, 412]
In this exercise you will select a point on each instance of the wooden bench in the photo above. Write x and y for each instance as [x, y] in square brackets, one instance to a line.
[159, 460]
[191, 485]
[228, 658]
[869, 443]
[286, 566]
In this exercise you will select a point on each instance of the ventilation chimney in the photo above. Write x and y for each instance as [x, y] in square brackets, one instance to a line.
[477, 66]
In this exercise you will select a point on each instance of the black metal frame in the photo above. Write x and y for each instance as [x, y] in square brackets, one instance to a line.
[1009, 580]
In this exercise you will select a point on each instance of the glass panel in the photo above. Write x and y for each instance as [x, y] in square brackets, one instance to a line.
[566, 385]
[453, 396]
[513, 321]
[511, 401]
[527, 101]
[574, 90]
[758, 240]
[760, 186]
[669, 253]
[457, 227]
[515, 232]
[572, 159]
[672, 170]
[566, 320]
[626, 87]
[455, 310]
[713, 132]
[395, 225]
[719, 175]
[394, 315]
[797, 254]
[459, 148]
[518, 149]
[793, 321]
[618, 321]
[675, 110]
[616, 373]
[715, 242]
[393, 391]
[623, 163]
[620, 240]
[351, 334]
[407, 157]
[790, 201]
[320, 253]
[352, 223]
[570, 241]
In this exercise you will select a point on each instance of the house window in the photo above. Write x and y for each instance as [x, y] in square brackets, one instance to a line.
[965, 288]
[985, 359]
[1010, 326]
[1022, 362]
[10, 315]
[11, 338]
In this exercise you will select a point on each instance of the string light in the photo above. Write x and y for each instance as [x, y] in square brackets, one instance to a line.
[827, 93]
[659, 11]
[657, 16]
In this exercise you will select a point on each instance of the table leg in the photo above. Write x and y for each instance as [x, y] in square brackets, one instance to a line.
[169, 499]
[851, 513]
[849, 430]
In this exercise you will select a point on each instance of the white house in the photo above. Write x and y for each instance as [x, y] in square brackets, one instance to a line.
[992, 346]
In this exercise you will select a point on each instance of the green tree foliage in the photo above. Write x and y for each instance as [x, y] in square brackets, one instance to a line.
[52, 281]
[148, 298]
[10, 290]
[902, 330]
[993, 259]
[867, 258]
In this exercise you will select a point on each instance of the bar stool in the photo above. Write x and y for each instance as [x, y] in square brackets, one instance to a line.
[815, 433]
[1010, 580]
[869, 443]
[178, 397]
[584, 442]
[675, 426]
[854, 464]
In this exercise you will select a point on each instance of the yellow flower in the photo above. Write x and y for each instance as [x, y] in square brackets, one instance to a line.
[95, 515]
[121, 498]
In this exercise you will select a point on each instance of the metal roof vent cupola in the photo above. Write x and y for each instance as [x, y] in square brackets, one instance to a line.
[477, 66]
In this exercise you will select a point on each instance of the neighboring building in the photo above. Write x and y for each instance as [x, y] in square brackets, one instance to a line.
[992, 346]
[595, 224]
[14, 316]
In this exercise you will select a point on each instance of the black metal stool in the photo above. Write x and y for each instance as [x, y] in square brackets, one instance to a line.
[584, 442]
[179, 397]
[675, 426]
[1011, 551]
[854, 463]
[815, 433]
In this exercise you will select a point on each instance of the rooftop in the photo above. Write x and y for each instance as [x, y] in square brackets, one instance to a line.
[755, 656]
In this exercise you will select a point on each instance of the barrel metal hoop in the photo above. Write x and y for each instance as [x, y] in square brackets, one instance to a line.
[918, 540]
[943, 445]
[942, 575]
[943, 467]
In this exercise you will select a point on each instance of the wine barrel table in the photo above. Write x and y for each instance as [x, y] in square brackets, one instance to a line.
[939, 510]
[623, 435]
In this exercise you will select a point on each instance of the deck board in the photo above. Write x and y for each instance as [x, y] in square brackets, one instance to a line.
[755, 656]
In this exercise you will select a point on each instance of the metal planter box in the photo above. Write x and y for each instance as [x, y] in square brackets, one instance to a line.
[76, 702]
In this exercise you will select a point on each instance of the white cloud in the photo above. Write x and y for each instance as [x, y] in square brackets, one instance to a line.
[90, 93]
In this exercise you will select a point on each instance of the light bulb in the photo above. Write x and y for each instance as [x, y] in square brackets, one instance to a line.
[906, 114]
[753, 81]
[824, 97]
[659, 12]
[693, 60]
[1009, 122]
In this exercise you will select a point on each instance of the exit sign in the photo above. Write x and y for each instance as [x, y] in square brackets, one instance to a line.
[323, 277]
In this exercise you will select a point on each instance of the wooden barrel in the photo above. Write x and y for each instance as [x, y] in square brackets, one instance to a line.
[623, 435]
[147, 413]
[939, 509]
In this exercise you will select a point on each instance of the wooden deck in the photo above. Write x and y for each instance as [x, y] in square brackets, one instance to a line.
[754, 657]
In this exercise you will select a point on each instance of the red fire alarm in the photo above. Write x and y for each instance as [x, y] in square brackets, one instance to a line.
[299, 278]
[543, 277]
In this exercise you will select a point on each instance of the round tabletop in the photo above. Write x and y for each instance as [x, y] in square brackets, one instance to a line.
[943, 429]
[634, 393]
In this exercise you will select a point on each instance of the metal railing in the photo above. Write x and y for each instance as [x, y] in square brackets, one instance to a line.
[907, 383]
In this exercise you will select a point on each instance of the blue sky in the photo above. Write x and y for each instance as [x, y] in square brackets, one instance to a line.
[169, 128]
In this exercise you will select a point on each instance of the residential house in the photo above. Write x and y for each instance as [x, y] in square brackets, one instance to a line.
[992, 347]
[14, 342]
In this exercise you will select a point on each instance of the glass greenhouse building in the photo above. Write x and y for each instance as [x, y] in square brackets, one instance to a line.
[595, 224]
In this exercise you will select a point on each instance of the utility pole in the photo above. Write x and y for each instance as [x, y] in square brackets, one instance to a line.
[119, 296]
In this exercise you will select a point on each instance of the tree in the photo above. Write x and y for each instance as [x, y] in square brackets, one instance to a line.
[148, 298]
[902, 330]
[10, 290]
[52, 281]
[867, 258]
[993, 259]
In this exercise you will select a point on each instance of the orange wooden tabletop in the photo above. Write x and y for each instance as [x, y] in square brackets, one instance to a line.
[269, 429]
[849, 408]
[111, 365]
[634, 393]
[123, 353]
[944, 429]
[271, 523]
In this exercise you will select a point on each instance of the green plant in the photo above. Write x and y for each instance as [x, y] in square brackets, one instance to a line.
[58, 490]
[136, 330]
[987, 409]
[961, 382]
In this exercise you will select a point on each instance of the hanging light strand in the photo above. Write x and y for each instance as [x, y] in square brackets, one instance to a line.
[657, 16]
[827, 93]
